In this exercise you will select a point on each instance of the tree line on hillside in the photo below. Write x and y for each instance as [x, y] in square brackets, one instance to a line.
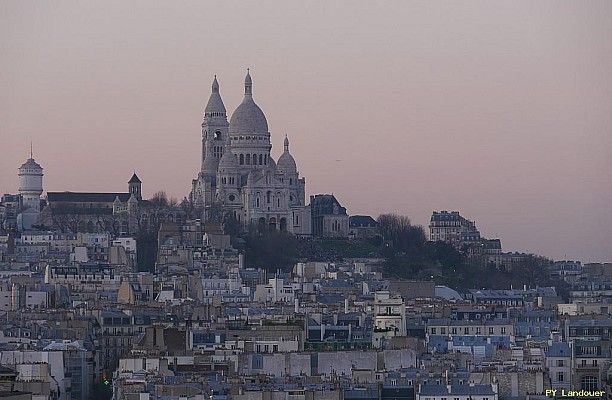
[408, 255]
[404, 246]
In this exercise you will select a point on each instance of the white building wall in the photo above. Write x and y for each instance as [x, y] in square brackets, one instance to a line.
[55, 359]
[341, 363]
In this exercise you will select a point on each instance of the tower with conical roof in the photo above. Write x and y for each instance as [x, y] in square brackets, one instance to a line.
[214, 130]
[30, 183]
[135, 187]
[214, 137]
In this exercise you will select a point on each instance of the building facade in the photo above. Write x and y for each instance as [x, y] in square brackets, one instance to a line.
[329, 218]
[451, 227]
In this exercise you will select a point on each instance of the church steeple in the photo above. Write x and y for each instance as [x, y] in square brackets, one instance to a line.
[215, 85]
[214, 131]
[248, 84]
[215, 106]
[286, 143]
[135, 187]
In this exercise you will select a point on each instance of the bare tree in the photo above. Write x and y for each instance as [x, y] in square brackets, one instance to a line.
[399, 230]
[159, 199]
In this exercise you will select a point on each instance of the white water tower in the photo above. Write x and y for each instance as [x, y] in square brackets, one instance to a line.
[30, 184]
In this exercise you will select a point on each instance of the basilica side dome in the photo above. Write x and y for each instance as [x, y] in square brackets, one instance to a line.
[286, 162]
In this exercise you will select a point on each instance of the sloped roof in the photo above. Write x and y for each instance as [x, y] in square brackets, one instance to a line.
[362, 221]
[134, 179]
[85, 197]
[323, 204]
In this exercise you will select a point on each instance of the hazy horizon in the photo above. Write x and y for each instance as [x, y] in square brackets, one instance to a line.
[499, 110]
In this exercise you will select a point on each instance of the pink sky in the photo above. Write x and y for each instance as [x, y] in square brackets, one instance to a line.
[501, 110]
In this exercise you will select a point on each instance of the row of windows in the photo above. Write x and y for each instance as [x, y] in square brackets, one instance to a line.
[588, 349]
[269, 198]
[231, 180]
[445, 223]
[442, 230]
[266, 348]
[587, 331]
[248, 138]
[466, 330]
[246, 160]
[114, 342]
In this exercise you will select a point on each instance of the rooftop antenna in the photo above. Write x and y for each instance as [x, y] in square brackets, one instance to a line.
[31, 150]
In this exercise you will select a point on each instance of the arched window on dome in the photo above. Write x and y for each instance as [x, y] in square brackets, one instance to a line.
[268, 196]
[247, 160]
[254, 159]
[241, 159]
[261, 159]
[265, 159]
